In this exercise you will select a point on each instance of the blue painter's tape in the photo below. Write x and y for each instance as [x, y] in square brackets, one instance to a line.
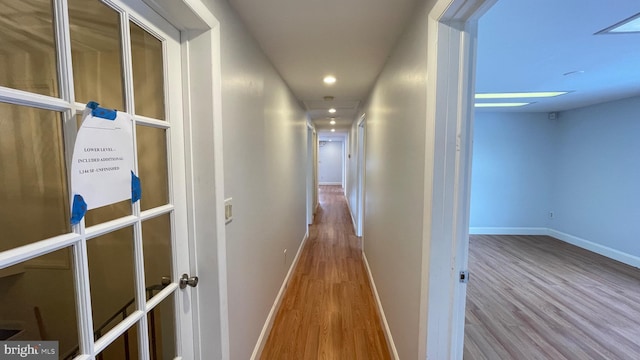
[100, 112]
[78, 209]
[136, 188]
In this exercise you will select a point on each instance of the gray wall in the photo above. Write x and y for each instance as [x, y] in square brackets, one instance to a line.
[512, 170]
[395, 162]
[265, 147]
[330, 162]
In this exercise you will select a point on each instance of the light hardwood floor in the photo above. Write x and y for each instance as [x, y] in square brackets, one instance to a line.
[535, 297]
[328, 310]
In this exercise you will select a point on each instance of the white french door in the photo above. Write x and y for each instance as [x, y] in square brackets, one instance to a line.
[107, 288]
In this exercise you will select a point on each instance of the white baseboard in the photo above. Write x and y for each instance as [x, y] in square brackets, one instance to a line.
[573, 240]
[508, 231]
[387, 330]
[266, 329]
[353, 220]
[596, 248]
[329, 183]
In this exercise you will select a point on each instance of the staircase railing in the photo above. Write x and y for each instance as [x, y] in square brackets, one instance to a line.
[123, 312]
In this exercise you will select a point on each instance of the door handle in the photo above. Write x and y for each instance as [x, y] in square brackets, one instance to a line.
[186, 280]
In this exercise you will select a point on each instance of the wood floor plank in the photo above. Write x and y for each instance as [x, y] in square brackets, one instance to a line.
[535, 297]
[328, 310]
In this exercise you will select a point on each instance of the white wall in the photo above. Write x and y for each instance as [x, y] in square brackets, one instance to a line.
[395, 163]
[330, 162]
[512, 170]
[584, 166]
[596, 194]
[265, 133]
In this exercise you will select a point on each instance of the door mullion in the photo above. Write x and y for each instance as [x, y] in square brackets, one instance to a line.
[70, 128]
[141, 300]
[83, 298]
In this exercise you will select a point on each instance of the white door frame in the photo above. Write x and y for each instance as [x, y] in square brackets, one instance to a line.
[200, 32]
[360, 174]
[452, 34]
[311, 193]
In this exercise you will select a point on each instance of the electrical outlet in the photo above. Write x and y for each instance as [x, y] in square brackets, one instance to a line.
[550, 214]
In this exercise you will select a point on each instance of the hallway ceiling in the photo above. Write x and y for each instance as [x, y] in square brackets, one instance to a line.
[523, 45]
[306, 40]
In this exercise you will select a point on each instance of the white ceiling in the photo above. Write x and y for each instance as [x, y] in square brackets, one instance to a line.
[523, 45]
[306, 40]
[528, 45]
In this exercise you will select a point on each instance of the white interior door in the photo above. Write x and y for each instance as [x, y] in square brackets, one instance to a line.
[107, 288]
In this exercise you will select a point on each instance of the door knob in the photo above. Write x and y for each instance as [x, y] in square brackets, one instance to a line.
[186, 280]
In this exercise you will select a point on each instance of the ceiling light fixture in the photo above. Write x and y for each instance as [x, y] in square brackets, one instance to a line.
[332, 110]
[332, 122]
[329, 79]
[333, 130]
[626, 26]
[480, 105]
[517, 95]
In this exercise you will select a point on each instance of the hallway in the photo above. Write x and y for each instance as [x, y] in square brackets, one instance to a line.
[328, 311]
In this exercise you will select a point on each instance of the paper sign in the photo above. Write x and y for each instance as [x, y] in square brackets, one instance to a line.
[101, 171]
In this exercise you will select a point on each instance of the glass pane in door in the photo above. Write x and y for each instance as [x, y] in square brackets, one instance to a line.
[96, 53]
[111, 272]
[162, 330]
[156, 242]
[37, 301]
[123, 348]
[148, 73]
[33, 179]
[27, 47]
[153, 166]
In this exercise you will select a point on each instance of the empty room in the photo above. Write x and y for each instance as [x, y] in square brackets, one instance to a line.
[554, 250]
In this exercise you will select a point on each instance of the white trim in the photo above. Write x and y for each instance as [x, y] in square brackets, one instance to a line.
[508, 231]
[450, 59]
[112, 335]
[353, 221]
[218, 160]
[27, 252]
[387, 330]
[361, 129]
[603, 250]
[329, 183]
[596, 248]
[266, 329]
[25, 98]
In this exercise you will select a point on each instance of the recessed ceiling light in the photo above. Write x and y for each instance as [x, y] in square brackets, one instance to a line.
[332, 110]
[329, 79]
[333, 130]
[629, 25]
[500, 104]
[516, 95]
[332, 122]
